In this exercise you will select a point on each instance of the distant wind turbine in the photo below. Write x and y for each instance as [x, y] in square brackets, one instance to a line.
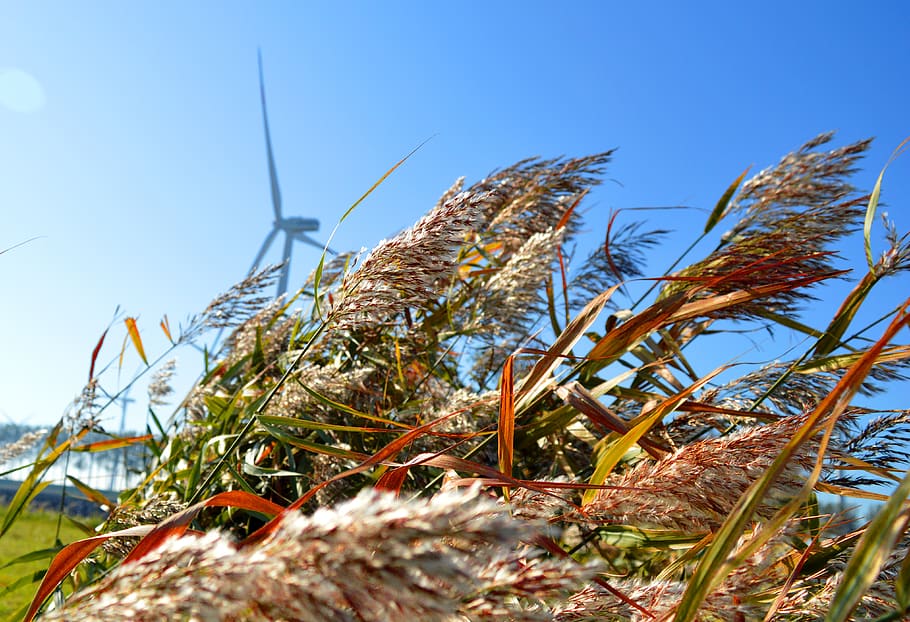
[294, 227]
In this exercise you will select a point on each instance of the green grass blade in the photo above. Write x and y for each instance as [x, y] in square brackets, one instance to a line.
[19, 614]
[347, 409]
[257, 471]
[870, 218]
[631, 537]
[845, 314]
[318, 448]
[870, 554]
[720, 210]
[902, 585]
[33, 556]
[23, 581]
[873, 204]
[791, 323]
[306, 424]
[241, 481]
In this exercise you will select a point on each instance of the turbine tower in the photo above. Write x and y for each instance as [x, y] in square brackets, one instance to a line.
[294, 227]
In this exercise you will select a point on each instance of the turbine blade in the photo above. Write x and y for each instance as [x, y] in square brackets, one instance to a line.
[286, 268]
[265, 247]
[273, 174]
[302, 237]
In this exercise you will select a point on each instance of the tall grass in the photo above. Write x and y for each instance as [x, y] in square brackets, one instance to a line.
[467, 423]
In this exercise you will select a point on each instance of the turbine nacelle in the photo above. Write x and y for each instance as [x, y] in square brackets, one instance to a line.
[297, 224]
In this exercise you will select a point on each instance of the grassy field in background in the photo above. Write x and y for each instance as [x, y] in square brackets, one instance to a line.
[31, 532]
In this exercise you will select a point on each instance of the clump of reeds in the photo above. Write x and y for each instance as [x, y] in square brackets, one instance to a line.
[470, 351]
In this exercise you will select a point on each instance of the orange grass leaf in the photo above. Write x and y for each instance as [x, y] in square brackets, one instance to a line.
[136, 339]
[113, 443]
[68, 558]
[506, 435]
[564, 220]
[393, 479]
[166, 328]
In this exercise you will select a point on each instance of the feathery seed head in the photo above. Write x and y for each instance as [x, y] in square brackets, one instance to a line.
[409, 269]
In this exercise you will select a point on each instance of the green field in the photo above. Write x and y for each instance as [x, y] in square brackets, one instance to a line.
[30, 532]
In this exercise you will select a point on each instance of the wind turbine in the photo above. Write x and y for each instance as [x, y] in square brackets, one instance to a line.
[295, 228]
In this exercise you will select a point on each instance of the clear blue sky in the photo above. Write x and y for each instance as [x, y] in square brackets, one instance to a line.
[132, 139]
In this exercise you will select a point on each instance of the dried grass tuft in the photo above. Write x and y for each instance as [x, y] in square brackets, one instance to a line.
[457, 556]
[696, 487]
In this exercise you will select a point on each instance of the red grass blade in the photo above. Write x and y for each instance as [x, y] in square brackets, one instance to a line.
[568, 213]
[393, 480]
[174, 526]
[584, 402]
[609, 255]
[492, 476]
[177, 524]
[95, 352]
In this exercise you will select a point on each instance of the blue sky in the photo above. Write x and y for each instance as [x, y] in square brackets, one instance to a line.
[132, 140]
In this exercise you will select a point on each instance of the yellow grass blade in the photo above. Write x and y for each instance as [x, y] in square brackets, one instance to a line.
[610, 458]
[93, 495]
[856, 493]
[890, 354]
[902, 585]
[112, 443]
